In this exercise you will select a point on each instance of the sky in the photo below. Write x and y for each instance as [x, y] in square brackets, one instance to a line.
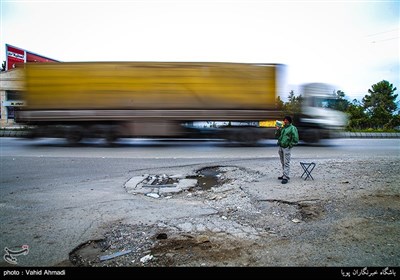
[349, 44]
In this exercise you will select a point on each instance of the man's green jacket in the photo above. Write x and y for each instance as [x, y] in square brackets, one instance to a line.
[288, 136]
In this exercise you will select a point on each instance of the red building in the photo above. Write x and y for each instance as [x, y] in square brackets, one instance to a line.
[15, 56]
[11, 84]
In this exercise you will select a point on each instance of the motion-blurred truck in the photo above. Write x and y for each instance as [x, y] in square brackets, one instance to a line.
[112, 100]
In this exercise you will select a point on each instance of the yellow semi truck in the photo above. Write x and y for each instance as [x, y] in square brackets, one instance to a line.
[151, 99]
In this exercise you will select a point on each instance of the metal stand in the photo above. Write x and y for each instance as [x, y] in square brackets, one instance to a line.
[308, 167]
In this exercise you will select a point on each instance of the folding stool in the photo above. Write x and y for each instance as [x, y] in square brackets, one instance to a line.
[308, 167]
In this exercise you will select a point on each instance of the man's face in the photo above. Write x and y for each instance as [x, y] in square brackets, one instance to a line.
[285, 121]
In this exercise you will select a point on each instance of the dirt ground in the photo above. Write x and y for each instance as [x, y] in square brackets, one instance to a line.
[348, 216]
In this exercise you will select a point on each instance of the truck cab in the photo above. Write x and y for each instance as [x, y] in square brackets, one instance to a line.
[318, 120]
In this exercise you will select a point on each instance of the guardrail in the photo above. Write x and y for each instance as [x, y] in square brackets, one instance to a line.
[369, 135]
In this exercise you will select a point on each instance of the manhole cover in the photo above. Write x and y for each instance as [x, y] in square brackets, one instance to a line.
[160, 181]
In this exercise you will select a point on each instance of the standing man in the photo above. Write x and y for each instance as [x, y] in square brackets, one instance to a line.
[288, 136]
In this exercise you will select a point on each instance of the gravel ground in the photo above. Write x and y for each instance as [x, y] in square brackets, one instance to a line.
[348, 216]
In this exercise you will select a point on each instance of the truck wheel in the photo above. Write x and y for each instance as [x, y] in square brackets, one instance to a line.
[110, 139]
[311, 136]
[249, 137]
[74, 136]
[111, 135]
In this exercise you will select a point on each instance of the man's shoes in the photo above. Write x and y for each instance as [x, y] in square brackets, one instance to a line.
[280, 178]
[284, 181]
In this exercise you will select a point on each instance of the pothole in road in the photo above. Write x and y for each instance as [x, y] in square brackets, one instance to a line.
[158, 185]
[140, 245]
[87, 253]
[309, 212]
[209, 177]
[293, 210]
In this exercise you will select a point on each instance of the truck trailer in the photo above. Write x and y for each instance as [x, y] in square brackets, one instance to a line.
[112, 100]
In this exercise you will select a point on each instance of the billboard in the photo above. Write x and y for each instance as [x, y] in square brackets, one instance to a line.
[15, 56]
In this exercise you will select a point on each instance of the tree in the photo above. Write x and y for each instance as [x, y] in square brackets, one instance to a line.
[380, 104]
[279, 103]
[341, 104]
[293, 107]
[358, 119]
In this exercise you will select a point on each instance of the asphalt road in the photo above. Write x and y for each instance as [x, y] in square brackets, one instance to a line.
[55, 197]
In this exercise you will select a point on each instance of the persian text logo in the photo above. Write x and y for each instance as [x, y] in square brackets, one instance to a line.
[10, 255]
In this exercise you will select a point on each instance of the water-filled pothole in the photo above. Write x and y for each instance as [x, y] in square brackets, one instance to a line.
[209, 177]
